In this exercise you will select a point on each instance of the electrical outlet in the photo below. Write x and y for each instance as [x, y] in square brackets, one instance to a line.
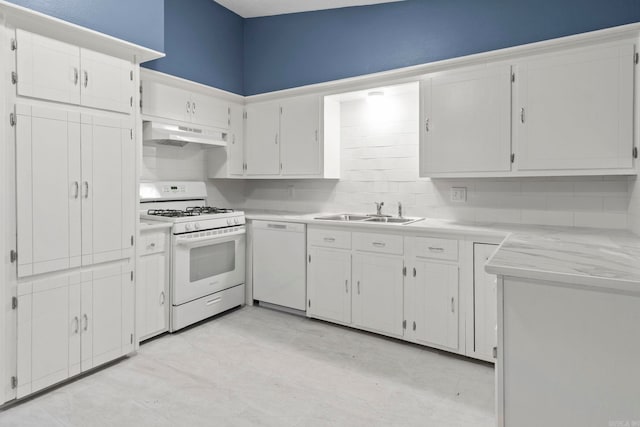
[459, 194]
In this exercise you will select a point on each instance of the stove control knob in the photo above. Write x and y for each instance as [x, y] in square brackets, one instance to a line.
[236, 220]
[229, 222]
[196, 226]
[187, 227]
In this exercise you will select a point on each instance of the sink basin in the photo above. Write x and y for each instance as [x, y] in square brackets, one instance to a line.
[393, 220]
[343, 217]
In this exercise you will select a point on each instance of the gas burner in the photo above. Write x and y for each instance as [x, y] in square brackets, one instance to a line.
[202, 210]
[172, 213]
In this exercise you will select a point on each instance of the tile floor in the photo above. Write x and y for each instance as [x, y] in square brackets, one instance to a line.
[257, 366]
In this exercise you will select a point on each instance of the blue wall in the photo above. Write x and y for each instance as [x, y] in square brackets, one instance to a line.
[137, 21]
[203, 43]
[304, 48]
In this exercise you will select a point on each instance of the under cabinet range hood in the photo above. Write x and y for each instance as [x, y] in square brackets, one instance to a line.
[179, 135]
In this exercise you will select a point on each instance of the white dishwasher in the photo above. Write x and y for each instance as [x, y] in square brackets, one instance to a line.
[279, 263]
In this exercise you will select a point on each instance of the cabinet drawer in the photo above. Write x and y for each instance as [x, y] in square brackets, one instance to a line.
[383, 243]
[431, 247]
[329, 238]
[151, 243]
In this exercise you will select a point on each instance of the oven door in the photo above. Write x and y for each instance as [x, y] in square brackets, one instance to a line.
[207, 262]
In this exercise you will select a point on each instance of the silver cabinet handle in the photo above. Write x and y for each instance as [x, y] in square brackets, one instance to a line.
[86, 322]
[162, 298]
[213, 301]
[189, 107]
[414, 272]
[379, 244]
[358, 287]
[278, 226]
[329, 239]
[426, 125]
[435, 249]
[86, 78]
[316, 135]
[76, 186]
[76, 76]
[276, 138]
[86, 189]
[453, 308]
[77, 321]
[193, 108]
[522, 115]
[152, 245]
[346, 286]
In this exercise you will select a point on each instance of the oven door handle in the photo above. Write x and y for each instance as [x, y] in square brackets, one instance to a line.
[218, 238]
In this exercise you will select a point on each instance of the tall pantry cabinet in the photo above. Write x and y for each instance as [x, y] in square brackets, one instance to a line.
[71, 168]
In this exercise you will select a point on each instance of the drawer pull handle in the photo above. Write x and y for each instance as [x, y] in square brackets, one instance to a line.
[346, 286]
[435, 249]
[162, 298]
[214, 301]
[152, 245]
[329, 239]
[379, 244]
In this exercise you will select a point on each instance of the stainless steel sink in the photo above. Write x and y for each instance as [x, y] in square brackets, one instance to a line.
[368, 218]
[393, 220]
[343, 217]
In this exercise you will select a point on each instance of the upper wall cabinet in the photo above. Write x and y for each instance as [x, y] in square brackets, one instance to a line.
[170, 102]
[466, 121]
[573, 110]
[281, 139]
[571, 113]
[56, 71]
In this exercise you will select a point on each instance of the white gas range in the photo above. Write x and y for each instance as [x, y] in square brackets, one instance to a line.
[207, 250]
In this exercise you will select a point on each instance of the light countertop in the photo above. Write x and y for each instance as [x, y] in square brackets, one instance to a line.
[600, 258]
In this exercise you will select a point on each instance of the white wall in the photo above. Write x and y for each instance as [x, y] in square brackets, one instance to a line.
[379, 163]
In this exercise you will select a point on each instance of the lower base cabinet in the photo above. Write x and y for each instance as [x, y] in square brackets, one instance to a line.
[329, 284]
[70, 323]
[485, 304]
[152, 285]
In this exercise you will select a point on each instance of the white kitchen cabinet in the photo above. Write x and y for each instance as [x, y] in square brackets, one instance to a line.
[175, 103]
[262, 139]
[329, 274]
[69, 323]
[378, 293]
[573, 110]
[75, 189]
[53, 70]
[152, 285]
[485, 304]
[431, 294]
[466, 121]
[229, 161]
[300, 134]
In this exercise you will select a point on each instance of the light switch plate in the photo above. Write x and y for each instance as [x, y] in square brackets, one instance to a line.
[459, 194]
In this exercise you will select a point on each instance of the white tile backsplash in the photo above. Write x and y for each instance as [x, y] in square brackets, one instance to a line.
[380, 163]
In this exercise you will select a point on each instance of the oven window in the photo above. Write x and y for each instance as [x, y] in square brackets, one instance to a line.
[212, 260]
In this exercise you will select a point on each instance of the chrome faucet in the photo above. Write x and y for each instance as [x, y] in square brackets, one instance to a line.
[379, 206]
[399, 209]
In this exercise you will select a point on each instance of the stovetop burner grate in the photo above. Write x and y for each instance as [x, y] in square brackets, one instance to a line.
[190, 211]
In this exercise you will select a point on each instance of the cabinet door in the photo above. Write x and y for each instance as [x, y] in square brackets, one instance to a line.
[235, 146]
[574, 110]
[47, 68]
[262, 139]
[106, 175]
[45, 331]
[299, 127]
[103, 302]
[436, 303]
[209, 111]
[165, 101]
[378, 294]
[466, 123]
[151, 295]
[48, 180]
[106, 82]
[328, 284]
[485, 303]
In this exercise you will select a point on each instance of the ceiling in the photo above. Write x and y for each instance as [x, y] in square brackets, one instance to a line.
[255, 8]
